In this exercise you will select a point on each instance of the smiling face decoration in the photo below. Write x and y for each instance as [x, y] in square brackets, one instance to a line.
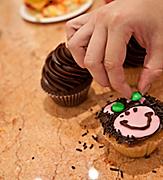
[138, 119]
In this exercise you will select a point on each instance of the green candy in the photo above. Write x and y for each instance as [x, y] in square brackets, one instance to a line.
[118, 107]
[136, 96]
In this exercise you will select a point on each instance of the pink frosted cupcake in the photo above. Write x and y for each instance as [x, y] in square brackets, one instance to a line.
[135, 127]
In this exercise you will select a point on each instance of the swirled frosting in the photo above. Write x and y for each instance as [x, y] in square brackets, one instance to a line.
[62, 75]
[135, 54]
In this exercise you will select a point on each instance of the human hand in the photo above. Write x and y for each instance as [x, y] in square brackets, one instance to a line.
[98, 41]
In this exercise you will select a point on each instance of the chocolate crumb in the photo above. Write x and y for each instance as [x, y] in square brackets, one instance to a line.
[77, 149]
[91, 109]
[91, 146]
[101, 146]
[33, 158]
[20, 129]
[154, 171]
[73, 167]
[95, 138]
[147, 156]
[111, 96]
[114, 169]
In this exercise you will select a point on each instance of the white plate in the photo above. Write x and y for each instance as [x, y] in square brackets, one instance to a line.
[25, 14]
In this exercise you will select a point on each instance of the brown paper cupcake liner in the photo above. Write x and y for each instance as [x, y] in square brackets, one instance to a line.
[71, 100]
[140, 150]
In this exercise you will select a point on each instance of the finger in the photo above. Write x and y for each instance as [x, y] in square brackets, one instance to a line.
[78, 43]
[153, 68]
[114, 59]
[95, 54]
[73, 25]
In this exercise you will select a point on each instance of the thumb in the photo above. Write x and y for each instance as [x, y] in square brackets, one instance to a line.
[153, 68]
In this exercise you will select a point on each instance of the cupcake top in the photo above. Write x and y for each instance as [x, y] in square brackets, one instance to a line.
[135, 54]
[131, 121]
[61, 75]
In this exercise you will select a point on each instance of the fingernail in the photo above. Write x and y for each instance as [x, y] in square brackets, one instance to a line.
[146, 89]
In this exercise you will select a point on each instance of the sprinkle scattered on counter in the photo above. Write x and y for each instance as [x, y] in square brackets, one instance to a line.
[117, 170]
[77, 149]
[114, 169]
[95, 138]
[91, 146]
[154, 171]
[73, 167]
[147, 156]
[85, 133]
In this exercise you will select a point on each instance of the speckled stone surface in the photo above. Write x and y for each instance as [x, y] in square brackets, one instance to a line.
[38, 139]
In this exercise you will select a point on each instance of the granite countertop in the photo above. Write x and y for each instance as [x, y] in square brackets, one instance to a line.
[40, 140]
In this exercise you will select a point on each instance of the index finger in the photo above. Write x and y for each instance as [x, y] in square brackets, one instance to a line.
[113, 62]
[73, 25]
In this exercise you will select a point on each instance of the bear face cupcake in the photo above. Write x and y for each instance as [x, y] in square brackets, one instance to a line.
[134, 127]
[63, 79]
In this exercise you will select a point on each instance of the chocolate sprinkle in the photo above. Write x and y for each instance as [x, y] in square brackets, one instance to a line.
[79, 142]
[154, 171]
[101, 146]
[91, 146]
[95, 138]
[33, 158]
[85, 133]
[114, 169]
[121, 116]
[85, 147]
[107, 120]
[121, 174]
[77, 149]
[147, 156]
[73, 167]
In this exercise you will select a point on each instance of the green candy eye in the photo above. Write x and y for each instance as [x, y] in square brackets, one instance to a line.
[118, 107]
[136, 96]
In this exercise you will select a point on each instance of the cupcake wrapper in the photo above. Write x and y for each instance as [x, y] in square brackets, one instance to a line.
[138, 150]
[71, 100]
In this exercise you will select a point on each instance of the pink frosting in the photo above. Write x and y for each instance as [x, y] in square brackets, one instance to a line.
[108, 109]
[137, 119]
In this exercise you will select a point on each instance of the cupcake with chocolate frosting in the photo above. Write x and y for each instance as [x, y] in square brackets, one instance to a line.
[134, 127]
[135, 54]
[66, 82]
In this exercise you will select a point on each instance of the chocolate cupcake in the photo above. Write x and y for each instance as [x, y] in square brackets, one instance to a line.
[134, 127]
[135, 54]
[66, 82]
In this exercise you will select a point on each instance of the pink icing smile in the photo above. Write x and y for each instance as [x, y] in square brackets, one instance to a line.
[138, 121]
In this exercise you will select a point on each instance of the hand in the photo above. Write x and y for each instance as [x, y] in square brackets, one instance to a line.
[98, 41]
